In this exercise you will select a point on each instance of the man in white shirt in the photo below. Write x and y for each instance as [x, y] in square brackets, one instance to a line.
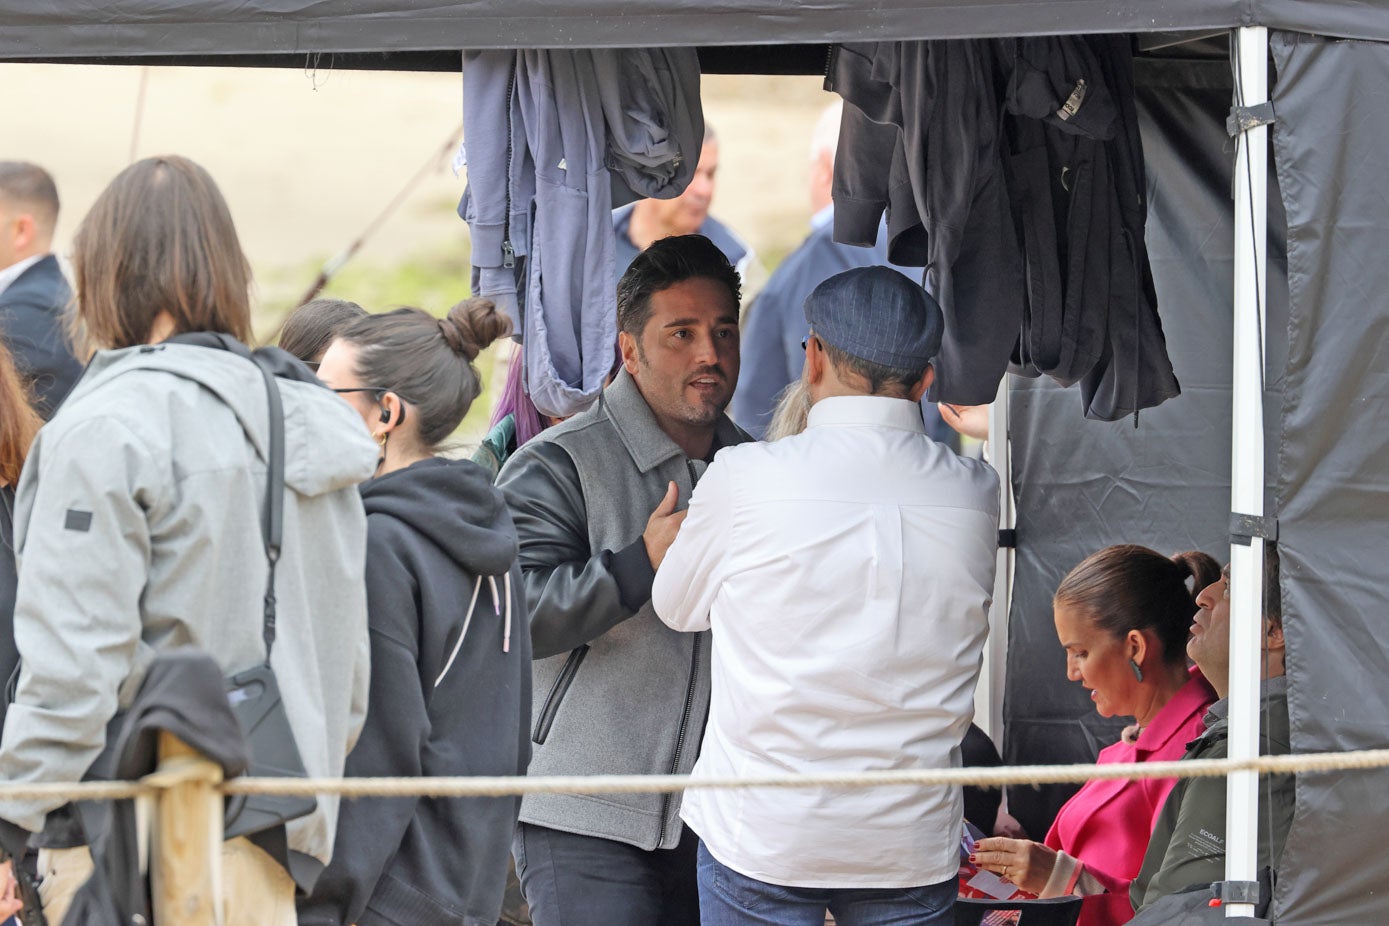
[846, 574]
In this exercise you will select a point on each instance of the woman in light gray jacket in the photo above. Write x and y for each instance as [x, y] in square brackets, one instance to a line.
[138, 528]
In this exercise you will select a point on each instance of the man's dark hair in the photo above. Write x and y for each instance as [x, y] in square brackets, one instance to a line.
[883, 380]
[31, 188]
[1273, 590]
[668, 262]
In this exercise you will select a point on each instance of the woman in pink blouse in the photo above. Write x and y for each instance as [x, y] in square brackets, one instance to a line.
[1123, 616]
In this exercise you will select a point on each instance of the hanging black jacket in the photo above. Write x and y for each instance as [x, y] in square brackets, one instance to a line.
[1012, 171]
[450, 695]
[943, 186]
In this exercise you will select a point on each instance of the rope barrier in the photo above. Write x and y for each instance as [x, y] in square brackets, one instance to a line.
[643, 784]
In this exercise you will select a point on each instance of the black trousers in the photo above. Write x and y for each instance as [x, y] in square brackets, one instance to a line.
[572, 880]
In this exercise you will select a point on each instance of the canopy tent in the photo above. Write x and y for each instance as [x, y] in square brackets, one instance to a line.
[1080, 484]
[43, 30]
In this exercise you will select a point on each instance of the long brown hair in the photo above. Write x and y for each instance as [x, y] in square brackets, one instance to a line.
[1128, 587]
[18, 420]
[159, 238]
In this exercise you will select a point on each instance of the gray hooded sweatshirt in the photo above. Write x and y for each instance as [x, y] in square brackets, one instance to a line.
[137, 528]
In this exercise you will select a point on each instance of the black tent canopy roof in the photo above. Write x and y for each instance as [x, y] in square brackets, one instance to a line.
[408, 34]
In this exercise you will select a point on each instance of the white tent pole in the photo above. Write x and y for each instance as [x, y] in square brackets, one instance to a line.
[988, 696]
[1247, 464]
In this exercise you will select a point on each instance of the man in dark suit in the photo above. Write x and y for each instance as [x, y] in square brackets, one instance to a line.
[33, 292]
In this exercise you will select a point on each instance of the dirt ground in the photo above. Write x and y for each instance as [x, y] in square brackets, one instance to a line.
[308, 158]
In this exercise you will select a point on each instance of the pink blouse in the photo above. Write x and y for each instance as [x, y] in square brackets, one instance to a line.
[1107, 824]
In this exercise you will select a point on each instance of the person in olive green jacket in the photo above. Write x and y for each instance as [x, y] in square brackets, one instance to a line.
[1188, 842]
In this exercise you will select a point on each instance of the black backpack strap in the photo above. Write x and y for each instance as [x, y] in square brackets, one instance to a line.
[269, 361]
[273, 522]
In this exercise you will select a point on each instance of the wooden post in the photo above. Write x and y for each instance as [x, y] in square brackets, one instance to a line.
[187, 846]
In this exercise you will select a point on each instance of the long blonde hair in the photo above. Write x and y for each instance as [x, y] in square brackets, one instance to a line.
[792, 411]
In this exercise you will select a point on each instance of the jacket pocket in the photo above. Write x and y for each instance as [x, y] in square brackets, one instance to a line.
[557, 693]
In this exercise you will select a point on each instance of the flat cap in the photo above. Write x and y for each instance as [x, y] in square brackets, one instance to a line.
[879, 315]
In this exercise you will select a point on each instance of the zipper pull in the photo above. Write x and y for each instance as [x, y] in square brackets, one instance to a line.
[508, 254]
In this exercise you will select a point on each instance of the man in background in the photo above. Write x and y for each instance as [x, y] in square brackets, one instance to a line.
[774, 325]
[33, 292]
[640, 224]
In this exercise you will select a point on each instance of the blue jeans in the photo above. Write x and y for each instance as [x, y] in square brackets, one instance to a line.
[727, 898]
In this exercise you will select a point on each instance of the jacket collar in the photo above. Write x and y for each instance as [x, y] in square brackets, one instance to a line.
[866, 411]
[636, 425]
[1190, 701]
[11, 274]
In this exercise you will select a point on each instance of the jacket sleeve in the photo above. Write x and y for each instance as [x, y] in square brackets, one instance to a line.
[573, 593]
[391, 745]
[694, 566]
[83, 537]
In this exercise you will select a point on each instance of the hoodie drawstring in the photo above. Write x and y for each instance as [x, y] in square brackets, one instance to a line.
[467, 619]
[506, 630]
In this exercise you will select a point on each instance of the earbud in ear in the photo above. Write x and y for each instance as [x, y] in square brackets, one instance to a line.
[385, 416]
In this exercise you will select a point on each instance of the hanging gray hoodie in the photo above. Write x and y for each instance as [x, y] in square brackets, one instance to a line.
[138, 528]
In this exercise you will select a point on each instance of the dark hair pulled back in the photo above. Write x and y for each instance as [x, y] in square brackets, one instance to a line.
[428, 361]
[314, 325]
[1128, 587]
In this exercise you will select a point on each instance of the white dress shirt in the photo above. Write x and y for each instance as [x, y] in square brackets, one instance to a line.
[846, 573]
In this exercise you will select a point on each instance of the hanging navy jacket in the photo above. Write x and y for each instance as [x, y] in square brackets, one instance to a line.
[555, 139]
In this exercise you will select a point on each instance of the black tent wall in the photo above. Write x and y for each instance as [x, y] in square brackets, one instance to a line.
[1082, 485]
[1333, 465]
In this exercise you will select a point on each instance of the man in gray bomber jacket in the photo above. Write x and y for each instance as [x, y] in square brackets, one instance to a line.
[616, 692]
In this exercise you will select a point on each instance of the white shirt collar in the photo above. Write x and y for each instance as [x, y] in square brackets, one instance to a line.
[822, 218]
[15, 270]
[866, 411]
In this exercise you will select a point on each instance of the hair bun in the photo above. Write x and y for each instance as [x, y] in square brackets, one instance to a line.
[472, 325]
[1201, 568]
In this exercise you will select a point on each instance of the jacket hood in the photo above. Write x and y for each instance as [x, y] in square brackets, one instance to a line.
[326, 446]
[454, 505]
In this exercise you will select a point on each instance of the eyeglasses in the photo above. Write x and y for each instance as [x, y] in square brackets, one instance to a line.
[376, 391]
[806, 340]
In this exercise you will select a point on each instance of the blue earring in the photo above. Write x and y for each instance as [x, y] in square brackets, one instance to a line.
[1137, 669]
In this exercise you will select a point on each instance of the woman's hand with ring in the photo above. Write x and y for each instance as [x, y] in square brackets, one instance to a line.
[1020, 861]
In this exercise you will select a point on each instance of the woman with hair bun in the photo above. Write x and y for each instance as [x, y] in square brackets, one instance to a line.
[1123, 616]
[450, 640]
